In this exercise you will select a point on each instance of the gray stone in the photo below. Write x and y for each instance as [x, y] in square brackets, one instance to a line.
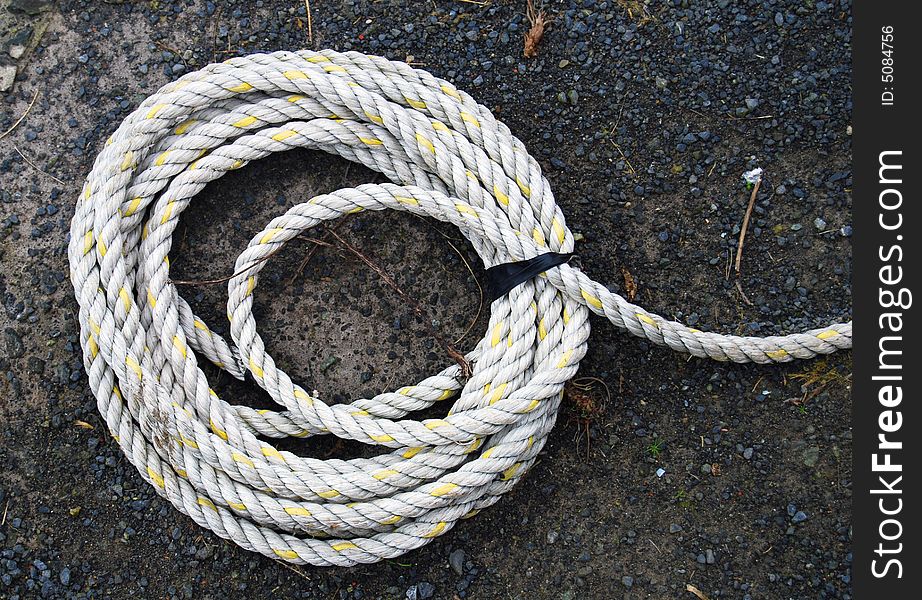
[30, 7]
[14, 345]
[456, 561]
[7, 77]
[811, 456]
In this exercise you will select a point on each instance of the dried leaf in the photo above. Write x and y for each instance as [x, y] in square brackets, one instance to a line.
[533, 36]
[630, 286]
[83, 424]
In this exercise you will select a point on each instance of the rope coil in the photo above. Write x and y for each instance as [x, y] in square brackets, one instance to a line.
[449, 159]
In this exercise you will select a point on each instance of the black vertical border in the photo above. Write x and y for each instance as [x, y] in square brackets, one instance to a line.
[878, 128]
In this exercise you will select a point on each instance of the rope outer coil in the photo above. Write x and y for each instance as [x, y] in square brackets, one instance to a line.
[449, 159]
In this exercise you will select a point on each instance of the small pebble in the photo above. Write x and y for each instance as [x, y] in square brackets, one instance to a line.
[456, 561]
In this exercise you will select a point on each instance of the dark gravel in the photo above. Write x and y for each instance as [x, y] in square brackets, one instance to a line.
[644, 117]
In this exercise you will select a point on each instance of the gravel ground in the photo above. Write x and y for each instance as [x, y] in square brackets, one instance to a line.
[734, 479]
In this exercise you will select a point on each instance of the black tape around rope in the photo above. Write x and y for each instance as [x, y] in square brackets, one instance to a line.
[503, 277]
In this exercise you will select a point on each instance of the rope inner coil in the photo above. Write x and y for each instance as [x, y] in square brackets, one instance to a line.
[448, 159]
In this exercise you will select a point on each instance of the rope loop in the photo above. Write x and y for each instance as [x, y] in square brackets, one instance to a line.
[448, 159]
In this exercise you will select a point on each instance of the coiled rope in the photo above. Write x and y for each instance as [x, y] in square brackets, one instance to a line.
[449, 159]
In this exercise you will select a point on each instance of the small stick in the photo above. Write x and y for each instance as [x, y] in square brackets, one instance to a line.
[313, 251]
[752, 202]
[34, 166]
[19, 120]
[629, 165]
[479, 288]
[427, 322]
[739, 247]
[296, 570]
[310, 21]
[163, 46]
[318, 243]
[739, 288]
[229, 277]
[214, 34]
[690, 588]
[470, 270]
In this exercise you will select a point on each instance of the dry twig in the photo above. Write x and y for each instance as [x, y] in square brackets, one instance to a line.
[752, 203]
[411, 301]
[701, 595]
[332, 232]
[229, 277]
[36, 167]
[310, 22]
[739, 246]
[296, 570]
[470, 270]
[317, 245]
[19, 120]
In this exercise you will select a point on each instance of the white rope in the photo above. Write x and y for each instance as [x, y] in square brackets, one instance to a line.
[449, 159]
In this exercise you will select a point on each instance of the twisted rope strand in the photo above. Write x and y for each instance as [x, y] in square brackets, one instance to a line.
[449, 159]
